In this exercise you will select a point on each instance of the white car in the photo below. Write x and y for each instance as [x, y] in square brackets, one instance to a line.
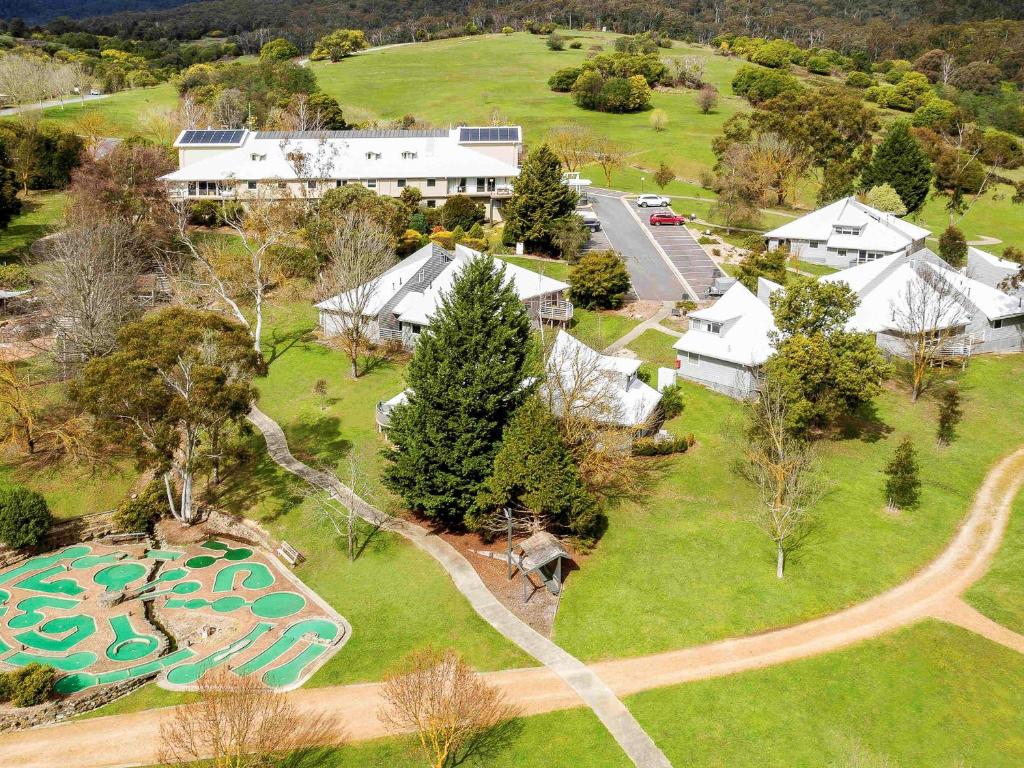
[95, 92]
[652, 201]
[590, 220]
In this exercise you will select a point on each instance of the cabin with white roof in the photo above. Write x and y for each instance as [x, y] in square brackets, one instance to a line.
[729, 341]
[240, 164]
[847, 233]
[992, 270]
[402, 301]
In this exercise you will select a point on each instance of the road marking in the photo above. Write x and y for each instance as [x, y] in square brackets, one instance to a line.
[661, 251]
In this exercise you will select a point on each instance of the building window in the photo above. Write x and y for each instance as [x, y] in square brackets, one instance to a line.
[341, 183]
[310, 185]
[814, 243]
[431, 203]
[841, 230]
[251, 184]
[371, 183]
[692, 358]
[401, 183]
[256, 158]
[997, 323]
[431, 182]
[865, 256]
[408, 155]
[373, 155]
[715, 328]
[281, 185]
[479, 185]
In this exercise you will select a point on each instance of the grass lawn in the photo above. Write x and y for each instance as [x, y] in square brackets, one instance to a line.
[558, 270]
[994, 215]
[39, 212]
[73, 491]
[687, 565]
[1000, 593]
[931, 695]
[556, 740]
[655, 348]
[122, 110]
[430, 81]
[598, 329]
[817, 270]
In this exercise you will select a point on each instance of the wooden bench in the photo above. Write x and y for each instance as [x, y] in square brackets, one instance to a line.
[287, 552]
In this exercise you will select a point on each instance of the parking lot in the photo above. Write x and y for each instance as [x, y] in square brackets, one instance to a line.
[656, 257]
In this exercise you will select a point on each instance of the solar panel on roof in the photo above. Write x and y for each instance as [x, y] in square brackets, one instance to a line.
[505, 133]
[211, 137]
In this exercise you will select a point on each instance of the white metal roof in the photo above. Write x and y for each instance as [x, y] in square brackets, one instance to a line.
[360, 155]
[745, 335]
[618, 397]
[879, 231]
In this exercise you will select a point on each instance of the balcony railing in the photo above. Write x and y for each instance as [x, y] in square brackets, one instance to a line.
[383, 414]
[560, 311]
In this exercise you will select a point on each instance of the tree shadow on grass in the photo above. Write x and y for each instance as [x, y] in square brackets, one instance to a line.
[863, 424]
[279, 342]
[253, 480]
[319, 441]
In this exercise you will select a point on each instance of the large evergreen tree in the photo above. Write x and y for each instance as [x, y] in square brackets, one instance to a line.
[466, 379]
[535, 470]
[900, 162]
[539, 200]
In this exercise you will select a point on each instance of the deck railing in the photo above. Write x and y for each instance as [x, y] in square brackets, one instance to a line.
[556, 310]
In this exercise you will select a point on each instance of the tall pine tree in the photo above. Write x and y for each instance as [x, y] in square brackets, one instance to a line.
[900, 162]
[539, 200]
[466, 380]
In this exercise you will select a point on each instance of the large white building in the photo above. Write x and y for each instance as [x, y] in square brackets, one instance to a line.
[240, 164]
[402, 301]
[847, 233]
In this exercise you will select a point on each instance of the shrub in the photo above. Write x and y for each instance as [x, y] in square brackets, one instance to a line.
[937, 114]
[507, 30]
[777, 54]
[14, 276]
[24, 517]
[819, 65]
[758, 84]
[672, 401]
[556, 42]
[461, 211]
[648, 446]
[28, 685]
[575, 45]
[278, 49]
[953, 247]
[705, 240]
[599, 280]
[203, 213]
[859, 80]
[134, 515]
[443, 238]
[1001, 149]
[563, 79]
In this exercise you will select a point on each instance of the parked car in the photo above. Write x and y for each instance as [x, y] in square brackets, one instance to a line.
[652, 201]
[95, 92]
[590, 220]
[667, 217]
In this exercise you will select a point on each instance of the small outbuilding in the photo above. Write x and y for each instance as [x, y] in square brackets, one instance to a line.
[542, 553]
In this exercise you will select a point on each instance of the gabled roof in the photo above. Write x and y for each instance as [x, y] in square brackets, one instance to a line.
[419, 305]
[744, 339]
[604, 386]
[345, 155]
[879, 231]
[988, 269]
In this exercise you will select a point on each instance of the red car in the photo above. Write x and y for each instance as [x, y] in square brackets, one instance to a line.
[667, 217]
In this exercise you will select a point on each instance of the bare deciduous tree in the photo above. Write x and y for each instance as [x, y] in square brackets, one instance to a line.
[782, 467]
[239, 273]
[88, 282]
[610, 156]
[455, 714]
[360, 250]
[573, 145]
[927, 316]
[237, 722]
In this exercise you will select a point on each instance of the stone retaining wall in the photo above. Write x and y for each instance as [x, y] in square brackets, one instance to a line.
[15, 719]
[64, 533]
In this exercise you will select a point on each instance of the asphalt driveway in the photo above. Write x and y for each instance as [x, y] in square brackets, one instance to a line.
[652, 277]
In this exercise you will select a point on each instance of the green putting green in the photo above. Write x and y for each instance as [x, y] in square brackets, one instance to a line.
[117, 577]
[73, 662]
[200, 561]
[188, 674]
[89, 561]
[44, 639]
[128, 644]
[45, 561]
[31, 613]
[37, 582]
[323, 629]
[277, 605]
[257, 576]
[162, 554]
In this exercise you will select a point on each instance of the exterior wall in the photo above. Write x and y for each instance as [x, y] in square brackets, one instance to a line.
[507, 153]
[331, 324]
[729, 378]
[193, 154]
[819, 253]
[1008, 338]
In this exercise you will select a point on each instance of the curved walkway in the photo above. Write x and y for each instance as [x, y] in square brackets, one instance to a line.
[620, 722]
[935, 592]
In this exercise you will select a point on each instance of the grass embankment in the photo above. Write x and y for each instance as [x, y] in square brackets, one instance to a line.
[39, 212]
[931, 695]
[688, 565]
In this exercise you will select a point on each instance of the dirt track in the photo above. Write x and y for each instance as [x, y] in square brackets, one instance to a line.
[126, 740]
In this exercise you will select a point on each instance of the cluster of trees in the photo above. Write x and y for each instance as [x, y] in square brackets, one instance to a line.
[613, 82]
[484, 430]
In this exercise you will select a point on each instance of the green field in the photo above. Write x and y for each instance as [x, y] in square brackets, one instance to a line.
[124, 111]
[686, 564]
[931, 695]
[452, 81]
[994, 215]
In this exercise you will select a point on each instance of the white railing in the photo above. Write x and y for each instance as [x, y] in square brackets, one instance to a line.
[556, 310]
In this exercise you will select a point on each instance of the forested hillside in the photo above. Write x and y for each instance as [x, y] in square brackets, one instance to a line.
[900, 28]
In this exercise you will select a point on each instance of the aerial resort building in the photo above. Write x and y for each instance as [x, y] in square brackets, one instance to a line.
[240, 164]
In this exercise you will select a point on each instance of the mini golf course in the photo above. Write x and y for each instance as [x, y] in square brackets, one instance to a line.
[86, 610]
